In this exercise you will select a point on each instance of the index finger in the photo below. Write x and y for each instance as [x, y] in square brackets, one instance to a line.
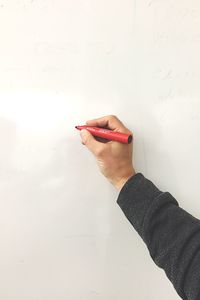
[110, 122]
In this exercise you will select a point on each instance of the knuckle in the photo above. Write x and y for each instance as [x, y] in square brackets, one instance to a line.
[99, 151]
[129, 132]
[113, 117]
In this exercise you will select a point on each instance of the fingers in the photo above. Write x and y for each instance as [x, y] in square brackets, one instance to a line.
[110, 122]
[90, 142]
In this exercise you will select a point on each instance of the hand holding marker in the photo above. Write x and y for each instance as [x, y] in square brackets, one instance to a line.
[114, 159]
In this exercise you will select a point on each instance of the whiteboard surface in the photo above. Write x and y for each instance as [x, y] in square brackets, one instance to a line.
[62, 235]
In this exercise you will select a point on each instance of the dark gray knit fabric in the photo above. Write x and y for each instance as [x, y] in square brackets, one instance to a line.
[171, 234]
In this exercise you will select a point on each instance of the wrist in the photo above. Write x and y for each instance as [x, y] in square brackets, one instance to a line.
[120, 183]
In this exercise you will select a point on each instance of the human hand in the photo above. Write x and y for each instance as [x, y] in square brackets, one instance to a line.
[114, 159]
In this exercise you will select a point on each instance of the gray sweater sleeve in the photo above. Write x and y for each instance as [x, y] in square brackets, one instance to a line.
[171, 234]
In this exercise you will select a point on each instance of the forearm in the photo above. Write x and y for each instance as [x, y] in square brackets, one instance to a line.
[171, 234]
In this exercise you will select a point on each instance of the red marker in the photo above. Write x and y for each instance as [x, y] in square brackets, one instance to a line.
[108, 134]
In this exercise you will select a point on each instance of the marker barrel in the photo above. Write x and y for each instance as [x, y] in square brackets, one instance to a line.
[108, 134]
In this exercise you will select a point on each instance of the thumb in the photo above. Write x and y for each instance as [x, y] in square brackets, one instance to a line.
[89, 140]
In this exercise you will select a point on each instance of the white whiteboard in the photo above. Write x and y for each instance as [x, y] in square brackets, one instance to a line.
[62, 62]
